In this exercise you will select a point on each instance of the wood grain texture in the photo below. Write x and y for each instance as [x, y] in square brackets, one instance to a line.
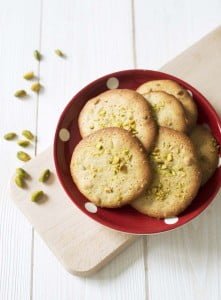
[97, 37]
[163, 29]
[17, 42]
[62, 225]
[192, 66]
[88, 32]
[189, 258]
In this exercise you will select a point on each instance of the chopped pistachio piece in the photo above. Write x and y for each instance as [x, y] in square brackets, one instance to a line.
[99, 146]
[108, 190]
[169, 157]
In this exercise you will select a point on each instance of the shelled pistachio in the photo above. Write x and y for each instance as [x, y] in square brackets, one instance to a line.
[37, 55]
[36, 196]
[23, 156]
[44, 175]
[23, 143]
[10, 136]
[28, 134]
[36, 87]
[29, 75]
[20, 93]
[22, 173]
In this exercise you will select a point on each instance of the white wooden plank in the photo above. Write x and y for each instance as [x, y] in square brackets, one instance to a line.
[163, 23]
[123, 278]
[19, 24]
[86, 31]
[97, 38]
[82, 245]
[183, 264]
[165, 28]
[188, 259]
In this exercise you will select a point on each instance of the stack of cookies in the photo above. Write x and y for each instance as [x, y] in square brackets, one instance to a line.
[143, 148]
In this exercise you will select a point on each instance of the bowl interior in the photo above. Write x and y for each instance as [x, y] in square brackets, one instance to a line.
[127, 219]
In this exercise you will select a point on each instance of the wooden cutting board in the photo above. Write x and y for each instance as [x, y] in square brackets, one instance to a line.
[80, 244]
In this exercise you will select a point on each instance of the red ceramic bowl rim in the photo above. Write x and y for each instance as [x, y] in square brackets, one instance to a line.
[209, 107]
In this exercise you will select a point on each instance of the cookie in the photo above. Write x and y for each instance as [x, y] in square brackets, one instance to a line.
[167, 110]
[207, 150]
[176, 176]
[173, 88]
[110, 167]
[119, 108]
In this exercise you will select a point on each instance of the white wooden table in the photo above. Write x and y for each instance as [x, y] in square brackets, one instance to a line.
[98, 37]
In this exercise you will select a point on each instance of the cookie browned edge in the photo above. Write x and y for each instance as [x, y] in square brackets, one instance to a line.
[150, 123]
[177, 106]
[181, 95]
[139, 147]
[176, 210]
[206, 174]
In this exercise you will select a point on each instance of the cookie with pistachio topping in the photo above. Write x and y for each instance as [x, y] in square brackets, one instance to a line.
[110, 167]
[207, 150]
[173, 88]
[176, 176]
[168, 111]
[119, 108]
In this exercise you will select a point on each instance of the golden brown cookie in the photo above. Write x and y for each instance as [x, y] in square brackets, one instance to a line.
[176, 176]
[168, 111]
[110, 167]
[119, 108]
[207, 150]
[173, 88]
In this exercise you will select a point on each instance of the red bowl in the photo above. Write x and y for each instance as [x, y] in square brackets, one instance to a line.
[127, 219]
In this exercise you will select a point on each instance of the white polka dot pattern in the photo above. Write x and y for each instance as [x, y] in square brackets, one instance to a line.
[171, 221]
[64, 135]
[91, 207]
[112, 83]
